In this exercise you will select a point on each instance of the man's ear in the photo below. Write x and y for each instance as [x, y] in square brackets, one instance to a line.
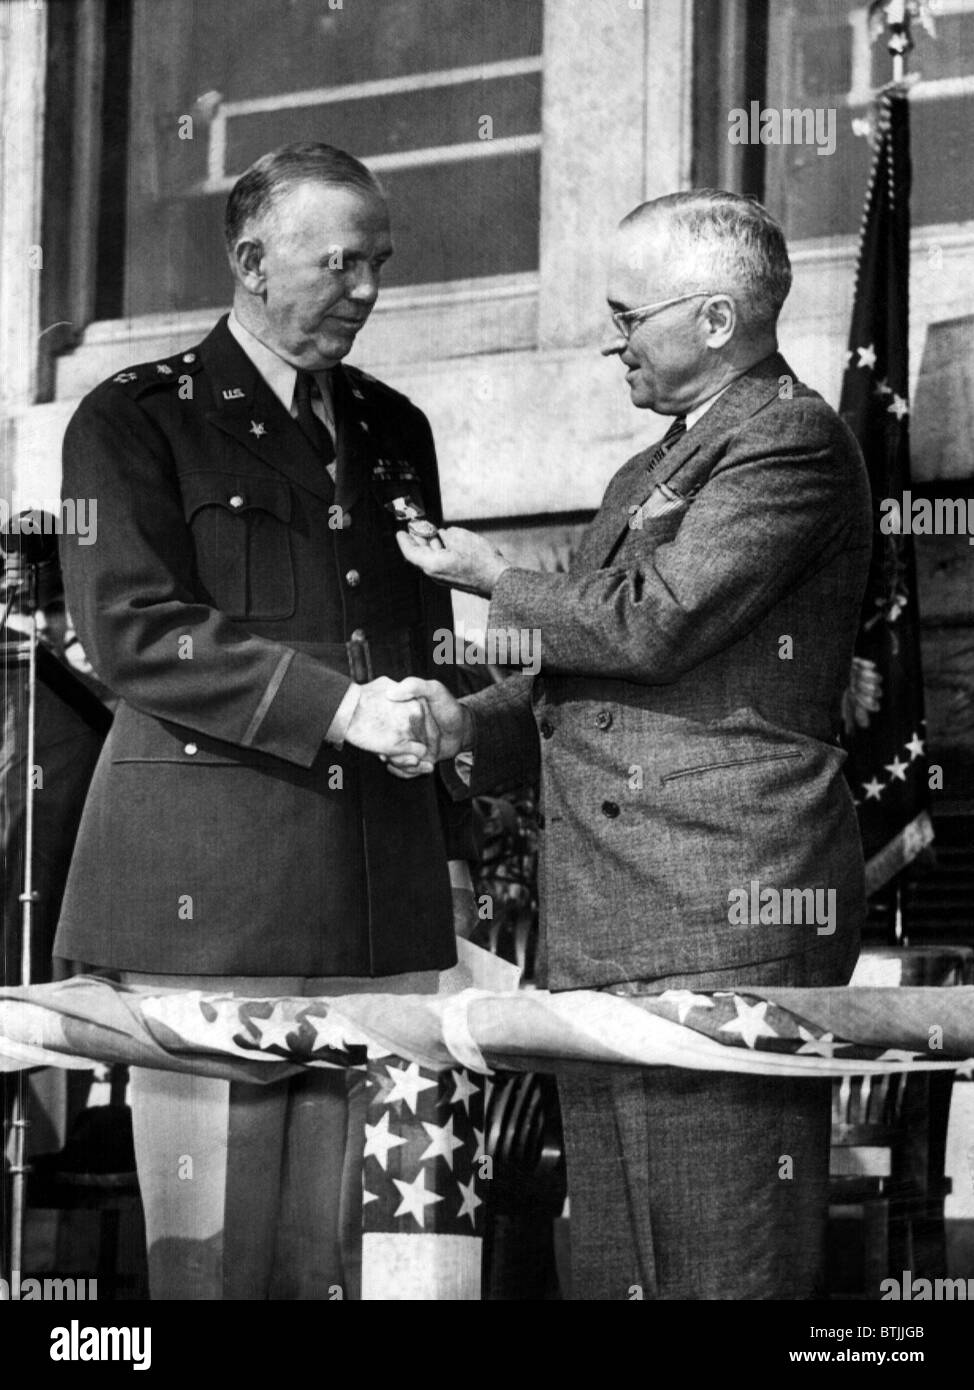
[248, 263]
[720, 314]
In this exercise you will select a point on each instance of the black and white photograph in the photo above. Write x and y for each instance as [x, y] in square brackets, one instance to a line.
[487, 600]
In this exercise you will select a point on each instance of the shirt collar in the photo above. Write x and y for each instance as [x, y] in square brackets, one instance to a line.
[698, 411]
[279, 375]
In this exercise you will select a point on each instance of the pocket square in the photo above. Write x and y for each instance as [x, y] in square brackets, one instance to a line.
[661, 500]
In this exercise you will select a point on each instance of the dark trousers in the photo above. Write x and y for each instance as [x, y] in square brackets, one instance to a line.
[699, 1185]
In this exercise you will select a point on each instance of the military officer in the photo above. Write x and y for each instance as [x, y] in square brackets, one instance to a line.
[247, 601]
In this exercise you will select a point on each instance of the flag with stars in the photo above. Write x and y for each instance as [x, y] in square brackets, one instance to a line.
[422, 1193]
[885, 733]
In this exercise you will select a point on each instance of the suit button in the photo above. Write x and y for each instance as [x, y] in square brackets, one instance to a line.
[603, 720]
[189, 356]
[190, 749]
[610, 809]
[353, 579]
[546, 728]
[236, 500]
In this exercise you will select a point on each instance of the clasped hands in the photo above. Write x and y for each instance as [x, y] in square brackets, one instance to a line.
[410, 724]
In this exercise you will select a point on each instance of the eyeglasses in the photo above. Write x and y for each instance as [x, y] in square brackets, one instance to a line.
[626, 319]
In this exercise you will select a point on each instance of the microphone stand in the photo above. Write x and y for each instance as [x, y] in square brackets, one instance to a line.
[22, 583]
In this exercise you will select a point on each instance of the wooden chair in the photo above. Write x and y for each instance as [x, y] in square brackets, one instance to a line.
[889, 1141]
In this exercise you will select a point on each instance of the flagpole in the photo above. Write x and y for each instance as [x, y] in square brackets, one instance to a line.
[898, 40]
[898, 43]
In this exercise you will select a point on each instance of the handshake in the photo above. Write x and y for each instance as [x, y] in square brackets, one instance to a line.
[410, 724]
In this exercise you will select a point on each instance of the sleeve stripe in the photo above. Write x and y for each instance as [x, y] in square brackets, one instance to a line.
[267, 699]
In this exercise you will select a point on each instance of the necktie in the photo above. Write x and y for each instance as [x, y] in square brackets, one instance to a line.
[678, 428]
[317, 433]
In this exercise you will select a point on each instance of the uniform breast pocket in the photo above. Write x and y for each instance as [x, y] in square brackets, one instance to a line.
[242, 537]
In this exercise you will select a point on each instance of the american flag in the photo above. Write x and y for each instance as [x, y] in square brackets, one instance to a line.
[885, 728]
[422, 1184]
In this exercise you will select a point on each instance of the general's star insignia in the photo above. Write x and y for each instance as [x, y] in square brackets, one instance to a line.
[125, 376]
[163, 369]
[257, 428]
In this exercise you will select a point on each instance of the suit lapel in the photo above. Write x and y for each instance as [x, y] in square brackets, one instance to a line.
[246, 409]
[687, 465]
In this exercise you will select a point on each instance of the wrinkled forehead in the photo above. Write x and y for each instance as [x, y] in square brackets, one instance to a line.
[641, 268]
[336, 213]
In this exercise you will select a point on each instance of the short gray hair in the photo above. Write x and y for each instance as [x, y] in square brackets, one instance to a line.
[272, 176]
[717, 240]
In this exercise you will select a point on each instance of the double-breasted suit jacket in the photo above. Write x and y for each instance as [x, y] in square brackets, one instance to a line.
[226, 600]
[684, 720]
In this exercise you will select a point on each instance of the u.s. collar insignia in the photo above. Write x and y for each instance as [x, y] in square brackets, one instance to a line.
[123, 377]
[235, 393]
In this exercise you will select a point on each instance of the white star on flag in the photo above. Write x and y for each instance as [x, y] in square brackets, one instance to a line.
[915, 747]
[470, 1201]
[414, 1197]
[480, 1151]
[332, 1031]
[407, 1085]
[867, 357]
[898, 407]
[274, 1030]
[368, 1197]
[685, 1000]
[819, 1047]
[750, 1021]
[464, 1090]
[897, 769]
[378, 1141]
[442, 1142]
[883, 388]
[873, 789]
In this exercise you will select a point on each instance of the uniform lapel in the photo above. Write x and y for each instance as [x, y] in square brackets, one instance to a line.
[352, 430]
[246, 409]
[685, 468]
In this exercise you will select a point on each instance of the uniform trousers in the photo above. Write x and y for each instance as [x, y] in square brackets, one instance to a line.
[699, 1185]
[255, 1191]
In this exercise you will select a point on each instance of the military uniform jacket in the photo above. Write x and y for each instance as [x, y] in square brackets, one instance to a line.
[684, 720]
[221, 834]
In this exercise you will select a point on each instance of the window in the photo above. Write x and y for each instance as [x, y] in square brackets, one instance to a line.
[821, 55]
[442, 98]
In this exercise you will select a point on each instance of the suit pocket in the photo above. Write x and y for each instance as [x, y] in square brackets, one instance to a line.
[786, 755]
[241, 533]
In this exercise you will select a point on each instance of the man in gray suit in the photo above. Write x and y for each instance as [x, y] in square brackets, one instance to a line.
[684, 729]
